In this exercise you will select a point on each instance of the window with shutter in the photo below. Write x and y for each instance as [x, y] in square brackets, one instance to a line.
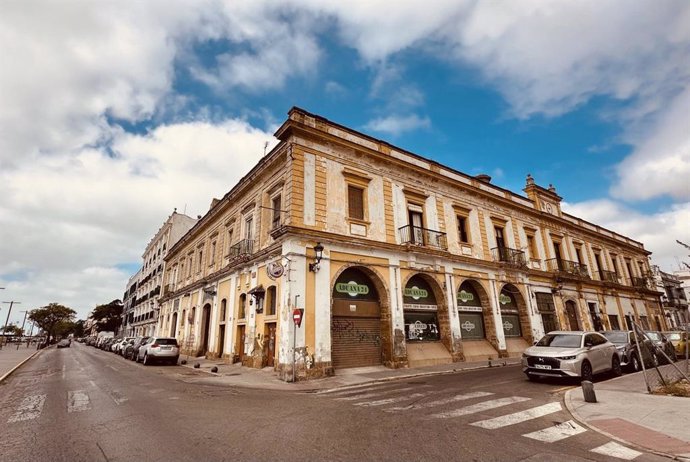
[355, 201]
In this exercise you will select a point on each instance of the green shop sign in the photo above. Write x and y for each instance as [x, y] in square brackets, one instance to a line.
[465, 297]
[415, 292]
[351, 288]
[504, 299]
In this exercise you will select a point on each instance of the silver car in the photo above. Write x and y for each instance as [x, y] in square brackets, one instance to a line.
[164, 349]
[571, 354]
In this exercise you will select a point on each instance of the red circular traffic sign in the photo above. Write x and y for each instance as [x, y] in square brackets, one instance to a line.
[297, 316]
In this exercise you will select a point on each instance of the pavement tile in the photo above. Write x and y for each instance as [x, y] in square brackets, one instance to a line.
[642, 436]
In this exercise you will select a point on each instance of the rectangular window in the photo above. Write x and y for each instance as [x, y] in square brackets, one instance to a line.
[462, 229]
[249, 228]
[613, 320]
[578, 254]
[212, 255]
[189, 267]
[614, 259]
[532, 246]
[355, 202]
[201, 261]
[500, 240]
[275, 215]
[628, 266]
[229, 237]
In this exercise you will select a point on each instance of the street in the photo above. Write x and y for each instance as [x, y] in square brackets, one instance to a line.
[83, 404]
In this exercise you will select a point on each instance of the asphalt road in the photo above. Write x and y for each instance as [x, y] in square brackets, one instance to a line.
[83, 404]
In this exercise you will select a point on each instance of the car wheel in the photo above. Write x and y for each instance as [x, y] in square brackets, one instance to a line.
[136, 358]
[616, 366]
[586, 372]
[532, 378]
[635, 363]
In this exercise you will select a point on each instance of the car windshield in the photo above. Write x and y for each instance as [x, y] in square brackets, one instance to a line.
[560, 340]
[673, 336]
[166, 341]
[616, 337]
[654, 336]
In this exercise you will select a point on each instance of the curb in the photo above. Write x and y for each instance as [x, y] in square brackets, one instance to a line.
[18, 366]
[568, 404]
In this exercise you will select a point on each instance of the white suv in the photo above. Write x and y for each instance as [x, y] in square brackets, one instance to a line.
[163, 349]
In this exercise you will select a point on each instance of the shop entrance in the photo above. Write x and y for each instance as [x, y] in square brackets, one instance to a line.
[270, 338]
[355, 321]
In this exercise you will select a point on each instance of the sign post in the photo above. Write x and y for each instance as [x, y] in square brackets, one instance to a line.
[297, 318]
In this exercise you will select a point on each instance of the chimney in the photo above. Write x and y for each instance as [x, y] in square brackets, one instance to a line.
[484, 178]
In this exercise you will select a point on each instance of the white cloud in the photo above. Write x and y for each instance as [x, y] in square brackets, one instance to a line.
[70, 220]
[657, 231]
[395, 125]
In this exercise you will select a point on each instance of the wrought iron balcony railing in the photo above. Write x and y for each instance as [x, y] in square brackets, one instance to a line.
[513, 257]
[243, 248]
[567, 267]
[608, 276]
[423, 237]
[641, 282]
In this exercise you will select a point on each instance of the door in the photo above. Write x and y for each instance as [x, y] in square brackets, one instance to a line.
[557, 252]
[270, 336]
[240, 340]
[416, 227]
[571, 311]
[221, 340]
[173, 327]
[500, 243]
[206, 328]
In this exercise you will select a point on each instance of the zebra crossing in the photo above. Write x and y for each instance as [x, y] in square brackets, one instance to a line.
[392, 398]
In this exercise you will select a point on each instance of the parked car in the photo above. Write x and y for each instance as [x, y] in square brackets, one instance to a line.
[679, 339]
[126, 343]
[624, 340]
[575, 354]
[159, 349]
[64, 343]
[133, 352]
[664, 345]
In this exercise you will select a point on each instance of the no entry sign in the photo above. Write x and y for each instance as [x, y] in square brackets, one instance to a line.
[297, 316]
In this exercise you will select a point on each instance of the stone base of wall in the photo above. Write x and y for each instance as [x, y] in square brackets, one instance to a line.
[316, 371]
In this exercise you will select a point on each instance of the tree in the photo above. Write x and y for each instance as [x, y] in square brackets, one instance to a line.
[11, 329]
[50, 316]
[108, 317]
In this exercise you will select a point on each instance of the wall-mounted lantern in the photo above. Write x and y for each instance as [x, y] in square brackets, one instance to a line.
[318, 252]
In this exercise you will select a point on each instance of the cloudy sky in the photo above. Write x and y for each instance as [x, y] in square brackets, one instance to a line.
[114, 113]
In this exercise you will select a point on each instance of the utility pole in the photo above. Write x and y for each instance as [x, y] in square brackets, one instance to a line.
[4, 329]
[22, 334]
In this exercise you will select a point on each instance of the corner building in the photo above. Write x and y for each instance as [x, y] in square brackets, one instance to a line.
[420, 264]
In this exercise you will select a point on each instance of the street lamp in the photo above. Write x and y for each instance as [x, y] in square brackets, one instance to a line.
[318, 252]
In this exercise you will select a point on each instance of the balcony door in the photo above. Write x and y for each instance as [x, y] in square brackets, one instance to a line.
[416, 220]
[557, 253]
[501, 243]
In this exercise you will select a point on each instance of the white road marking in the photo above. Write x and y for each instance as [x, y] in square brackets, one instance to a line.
[613, 449]
[479, 407]
[78, 401]
[30, 408]
[381, 402]
[93, 384]
[374, 395]
[114, 368]
[517, 417]
[441, 402]
[63, 371]
[557, 432]
[351, 391]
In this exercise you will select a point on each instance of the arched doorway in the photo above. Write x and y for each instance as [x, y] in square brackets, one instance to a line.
[477, 326]
[427, 327]
[514, 320]
[173, 325]
[355, 321]
[206, 327]
[571, 313]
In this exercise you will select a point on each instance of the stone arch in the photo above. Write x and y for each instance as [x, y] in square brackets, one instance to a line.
[523, 312]
[388, 351]
[487, 314]
[439, 294]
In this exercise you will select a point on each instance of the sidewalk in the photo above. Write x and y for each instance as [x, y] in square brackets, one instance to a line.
[626, 412]
[10, 357]
[266, 378]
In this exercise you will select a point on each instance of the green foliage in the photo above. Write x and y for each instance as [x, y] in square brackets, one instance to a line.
[49, 317]
[108, 317]
[11, 329]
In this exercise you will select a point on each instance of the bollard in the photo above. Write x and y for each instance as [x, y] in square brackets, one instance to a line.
[588, 391]
[183, 362]
[197, 365]
[214, 369]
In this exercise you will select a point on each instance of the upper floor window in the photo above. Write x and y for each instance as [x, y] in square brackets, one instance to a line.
[276, 210]
[201, 260]
[249, 228]
[463, 233]
[242, 307]
[500, 238]
[212, 255]
[355, 202]
[223, 309]
[614, 259]
[189, 266]
[271, 301]
[532, 245]
[578, 254]
[557, 250]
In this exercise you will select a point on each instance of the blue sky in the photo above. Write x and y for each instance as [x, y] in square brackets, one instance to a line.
[107, 110]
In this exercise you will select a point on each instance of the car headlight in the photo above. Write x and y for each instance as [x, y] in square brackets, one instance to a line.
[568, 358]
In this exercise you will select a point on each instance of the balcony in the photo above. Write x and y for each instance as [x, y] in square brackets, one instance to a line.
[168, 288]
[416, 235]
[641, 282]
[244, 248]
[608, 276]
[567, 267]
[511, 257]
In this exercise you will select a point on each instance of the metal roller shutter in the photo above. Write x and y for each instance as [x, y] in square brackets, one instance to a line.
[356, 341]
